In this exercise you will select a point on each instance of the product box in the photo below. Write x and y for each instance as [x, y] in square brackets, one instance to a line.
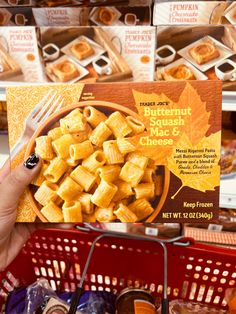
[19, 56]
[113, 54]
[57, 3]
[16, 17]
[197, 53]
[96, 15]
[168, 12]
[62, 16]
[124, 152]
[17, 3]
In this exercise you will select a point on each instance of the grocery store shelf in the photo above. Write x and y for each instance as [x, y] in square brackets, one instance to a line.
[4, 149]
[228, 193]
[2, 94]
[229, 101]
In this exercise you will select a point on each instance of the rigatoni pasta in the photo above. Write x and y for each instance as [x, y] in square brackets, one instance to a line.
[136, 125]
[112, 153]
[55, 170]
[104, 194]
[94, 116]
[72, 211]
[118, 124]
[62, 145]
[52, 212]
[93, 162]
[100, 134]
[92, 172]
[44, 148]
[81, 150]
[47, 192]
[82, 176]
[124, 214]
[69, 189]
[109, 173]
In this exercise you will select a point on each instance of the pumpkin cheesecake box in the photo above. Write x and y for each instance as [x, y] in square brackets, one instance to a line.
[20, 61]
[120, 152]
[122, 15]
[183, 12]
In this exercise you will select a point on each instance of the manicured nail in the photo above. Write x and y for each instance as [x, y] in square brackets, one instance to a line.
[32, 161]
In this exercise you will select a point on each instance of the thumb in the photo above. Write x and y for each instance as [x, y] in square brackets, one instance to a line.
[14, 184]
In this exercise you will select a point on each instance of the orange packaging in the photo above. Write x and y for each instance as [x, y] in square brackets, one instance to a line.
[137, 152]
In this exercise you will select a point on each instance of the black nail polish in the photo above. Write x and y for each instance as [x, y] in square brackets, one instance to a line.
[32, 161]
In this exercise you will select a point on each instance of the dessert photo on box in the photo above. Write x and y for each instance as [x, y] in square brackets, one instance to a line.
[16, 17]
[19, 56]
[121, 152]
[17, 3]
[97, 54]
[197, 53]
[120, 16]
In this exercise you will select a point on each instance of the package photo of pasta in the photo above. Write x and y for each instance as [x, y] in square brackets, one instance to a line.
[124, 152]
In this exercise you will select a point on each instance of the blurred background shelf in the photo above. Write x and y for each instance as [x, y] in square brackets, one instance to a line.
[4, 149]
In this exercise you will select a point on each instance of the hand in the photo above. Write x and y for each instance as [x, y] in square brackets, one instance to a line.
[12, 185]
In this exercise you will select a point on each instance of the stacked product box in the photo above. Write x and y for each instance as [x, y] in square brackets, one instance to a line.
[182, 12]
[109, 54]
[121, 14]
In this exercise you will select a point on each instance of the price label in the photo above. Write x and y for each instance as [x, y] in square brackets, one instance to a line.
[151, 231]
[213, 227]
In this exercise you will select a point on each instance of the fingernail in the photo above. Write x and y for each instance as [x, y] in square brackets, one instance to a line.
[32, 161]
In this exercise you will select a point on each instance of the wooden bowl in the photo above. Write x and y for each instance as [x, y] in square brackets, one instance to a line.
[107, 108]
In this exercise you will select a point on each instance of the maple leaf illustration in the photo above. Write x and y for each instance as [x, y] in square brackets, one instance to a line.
[205, 180]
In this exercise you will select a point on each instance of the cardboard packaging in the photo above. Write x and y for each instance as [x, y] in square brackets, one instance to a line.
[17, 3]
[197, 53]
[20, 61]
[194, 12]
[16, 16]
[96, 15]
[152, 153]
[127, 52]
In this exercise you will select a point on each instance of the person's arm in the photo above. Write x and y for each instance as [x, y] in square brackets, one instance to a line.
[12, 185]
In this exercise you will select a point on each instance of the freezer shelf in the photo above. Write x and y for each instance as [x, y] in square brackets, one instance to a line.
[229, 100]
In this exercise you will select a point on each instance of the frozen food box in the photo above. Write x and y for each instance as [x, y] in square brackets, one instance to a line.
[59, 3]
[122, 152]
[62, 16]
[19, 56]
[95, 15]
[169, 12]
[17, 3]
[127, 53]
[197, 53]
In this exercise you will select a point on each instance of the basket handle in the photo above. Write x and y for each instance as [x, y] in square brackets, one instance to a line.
[165, 306]
[104, 234]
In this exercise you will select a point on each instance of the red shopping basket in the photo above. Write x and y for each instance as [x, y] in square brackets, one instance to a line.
[197, 272]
